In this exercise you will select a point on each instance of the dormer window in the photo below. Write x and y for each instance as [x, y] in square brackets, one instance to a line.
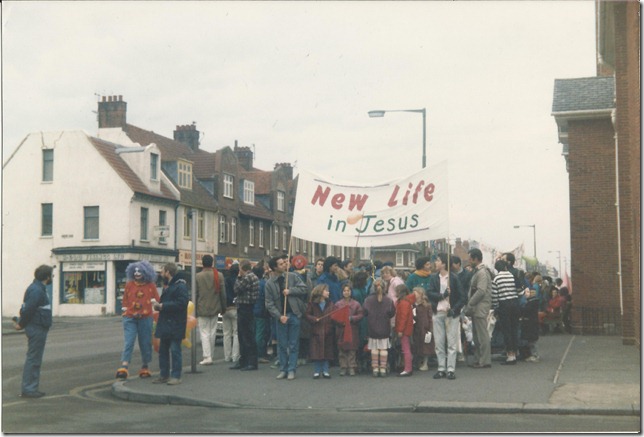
[281, 196]
[249, 192]
[185, 175]
[154, 166]
[228, 186]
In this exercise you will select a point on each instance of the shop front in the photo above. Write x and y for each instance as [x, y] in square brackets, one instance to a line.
[92, 280]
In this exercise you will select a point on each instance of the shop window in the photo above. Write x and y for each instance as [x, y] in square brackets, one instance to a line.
[83, 287]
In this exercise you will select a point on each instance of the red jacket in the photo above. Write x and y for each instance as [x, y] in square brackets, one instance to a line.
[404, 315]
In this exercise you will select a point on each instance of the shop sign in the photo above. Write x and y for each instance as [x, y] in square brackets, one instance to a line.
[83, 266]
[185, 257]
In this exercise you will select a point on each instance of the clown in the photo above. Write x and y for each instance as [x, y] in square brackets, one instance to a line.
[140, 292]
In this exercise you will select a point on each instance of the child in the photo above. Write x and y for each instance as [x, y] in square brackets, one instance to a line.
[347, 352]
[321, 343]
[422, 326]
[140, 290]
[379, 309]
[405, 324]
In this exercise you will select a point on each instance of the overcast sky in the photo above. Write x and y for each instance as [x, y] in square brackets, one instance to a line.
[295, 80]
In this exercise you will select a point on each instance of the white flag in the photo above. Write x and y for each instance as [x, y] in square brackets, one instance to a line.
[406, 210]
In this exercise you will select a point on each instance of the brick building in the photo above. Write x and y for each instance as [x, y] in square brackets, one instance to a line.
[598, 122]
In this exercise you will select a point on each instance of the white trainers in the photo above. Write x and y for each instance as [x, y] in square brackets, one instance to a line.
[206, 362]
[532, 359]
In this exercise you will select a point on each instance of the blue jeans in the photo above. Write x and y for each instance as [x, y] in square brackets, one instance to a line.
[170, 348]
[141, 328]
[288, 340]
[37, 336]
[321, 366]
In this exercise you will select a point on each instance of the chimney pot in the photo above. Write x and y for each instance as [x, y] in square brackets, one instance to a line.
[103, 98]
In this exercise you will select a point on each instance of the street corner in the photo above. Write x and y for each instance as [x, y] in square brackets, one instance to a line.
[597, 395]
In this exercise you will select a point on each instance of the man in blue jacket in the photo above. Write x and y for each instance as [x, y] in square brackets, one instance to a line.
[35, 319]
[171, 326]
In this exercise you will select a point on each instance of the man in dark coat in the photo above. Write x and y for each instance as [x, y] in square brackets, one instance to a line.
[171, 326]
[35, 319]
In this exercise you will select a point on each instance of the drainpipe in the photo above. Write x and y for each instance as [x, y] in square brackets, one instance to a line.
[613, 119]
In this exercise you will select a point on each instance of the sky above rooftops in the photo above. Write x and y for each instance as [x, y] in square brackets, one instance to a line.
[294, 81]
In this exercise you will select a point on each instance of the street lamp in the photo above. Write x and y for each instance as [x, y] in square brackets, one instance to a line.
[559, 257]
[381, 113]
[534, 230]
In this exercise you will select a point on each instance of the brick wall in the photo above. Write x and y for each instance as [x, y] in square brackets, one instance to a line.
[593, 228]
[628, 125]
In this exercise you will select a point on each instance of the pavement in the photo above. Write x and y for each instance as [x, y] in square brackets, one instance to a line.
[595, 375]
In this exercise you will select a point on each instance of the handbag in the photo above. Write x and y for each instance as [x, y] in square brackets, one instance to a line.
[428, 337]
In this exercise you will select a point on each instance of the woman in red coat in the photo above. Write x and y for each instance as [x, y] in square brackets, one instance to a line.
[321, 343]
[347, 351]
[405, 324]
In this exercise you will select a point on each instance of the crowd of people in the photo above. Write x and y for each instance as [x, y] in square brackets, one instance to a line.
[362, 319]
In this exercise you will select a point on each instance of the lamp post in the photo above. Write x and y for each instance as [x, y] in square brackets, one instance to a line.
[381, 113]
[558, 257]
[534, 231]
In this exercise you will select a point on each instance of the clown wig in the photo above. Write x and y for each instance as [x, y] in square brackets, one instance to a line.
[144, 267]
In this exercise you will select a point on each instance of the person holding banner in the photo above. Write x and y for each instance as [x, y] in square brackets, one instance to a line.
[285, 301]
[447, 300]
[347, 350]
[379, 309]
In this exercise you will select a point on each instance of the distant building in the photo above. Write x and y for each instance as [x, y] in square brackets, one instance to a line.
[598, 121]
[88, 207]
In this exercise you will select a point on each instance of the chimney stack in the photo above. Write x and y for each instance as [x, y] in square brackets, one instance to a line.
[112, 112]
[288, 169]
[188, 135]
[244, 157]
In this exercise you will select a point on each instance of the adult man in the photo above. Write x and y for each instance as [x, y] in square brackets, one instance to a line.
[231, 340]
[285, 301]
[420, 278]
[211, 301]
[447, 298]
[35, 319]
[171, 326]
[478, 307]
[463, 275]
[246, 293]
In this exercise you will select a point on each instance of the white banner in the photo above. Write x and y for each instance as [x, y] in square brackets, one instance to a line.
[406, 210]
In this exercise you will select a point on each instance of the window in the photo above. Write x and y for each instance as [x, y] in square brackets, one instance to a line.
[185, 175]
[222, 229]
[90, 228]
[201, 224]
[412, 260]
[251, 233]
[154, 166]
[365, 253]
[48, 165]
[233, 230]
[228, 186]
[163, 217]
[46, 215]
[400, 259]
[280, 200]
[276, 236]
[249, 192]
[284, 239]
[82, 285]
[187, 223]
[261, 234]
[144, 224]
